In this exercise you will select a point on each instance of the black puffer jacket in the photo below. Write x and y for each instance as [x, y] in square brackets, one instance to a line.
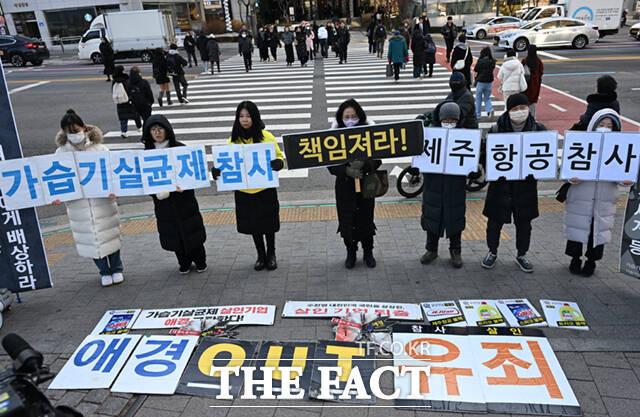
[140, 93]
[180, 224]
[518, 198]
[484, 69]
[126, 111]
[464, 99]
[596, 102]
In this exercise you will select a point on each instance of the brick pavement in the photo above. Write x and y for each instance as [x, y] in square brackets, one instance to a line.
[603, 364]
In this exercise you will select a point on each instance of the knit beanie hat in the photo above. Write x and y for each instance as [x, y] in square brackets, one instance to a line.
[449, 110]
[515, 100]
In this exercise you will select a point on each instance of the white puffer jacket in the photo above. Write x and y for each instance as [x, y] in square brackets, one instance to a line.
[95, 222]
[512, 75]
[589, 200]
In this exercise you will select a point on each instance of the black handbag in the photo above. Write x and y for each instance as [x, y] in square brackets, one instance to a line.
[389, 70]
[561, 194]
[375, 184]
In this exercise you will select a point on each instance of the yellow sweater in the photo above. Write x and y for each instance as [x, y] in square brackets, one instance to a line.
[267, 137]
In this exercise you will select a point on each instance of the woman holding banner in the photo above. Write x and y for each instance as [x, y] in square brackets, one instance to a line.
[590, 208]
[355, 213]
[180, 224]
[95, 222]
[257, 210]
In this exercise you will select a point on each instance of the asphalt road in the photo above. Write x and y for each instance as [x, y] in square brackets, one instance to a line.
[41, 95]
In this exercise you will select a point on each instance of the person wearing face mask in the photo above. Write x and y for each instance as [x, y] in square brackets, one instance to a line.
[444, 198]
[464, 99]
[180, 226]
[355, 213]
[462, 52]
[95, 222]
[511, 74]
[518, 198]
[590, 207]
[449, 33]
[245, 48]
[604, 98]
[257, 210]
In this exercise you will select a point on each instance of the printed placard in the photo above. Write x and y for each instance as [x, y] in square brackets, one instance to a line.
[190, 166]
[20, 185]
[540, 154]
[449, 151]
[126, 174]
[482, 313]
[257, 158]
[581, 155]
[255, 314]
[57, 173]
[519, 312]
[285, 354]
[158, 171]
[431, 160]
[229, 159]
[397, 311]
[620, 157]
[156, 365]
[504, 156]
[116, 321]
[94, 173]
[96, 362]
[564, 314]
[443, 313]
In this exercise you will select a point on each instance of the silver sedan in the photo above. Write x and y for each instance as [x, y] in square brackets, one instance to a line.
[555, 31]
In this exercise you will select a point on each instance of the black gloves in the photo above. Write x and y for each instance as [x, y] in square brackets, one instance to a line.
[215, 173]
[277, 164]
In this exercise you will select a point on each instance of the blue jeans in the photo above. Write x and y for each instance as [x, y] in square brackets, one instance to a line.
[483, 92]
[324, 48]
[110, 264]
[124, 123]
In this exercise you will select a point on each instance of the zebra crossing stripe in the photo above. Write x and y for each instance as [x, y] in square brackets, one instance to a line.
[210, 129]
[232, 117]
[189, 110]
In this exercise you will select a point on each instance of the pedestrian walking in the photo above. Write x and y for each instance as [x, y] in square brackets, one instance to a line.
[604, 98]
[398, 53]
[331, 37]
[316, 41]
[190, 48]
[444, 198]
[355, 213]
[108, 57]
[201, 43]
[462, 59]
[464, 99]
[122, 97]
[323, 36]
[424, 25]
[257, 211]
[161, 75]
[335, 39]
[180, 226]
[261, 43]
[417, 47]
[272, 42]
[511, 75]
[590, 207]
[309, 37]
[429, 55]
[213, 50]
[484, 82]
[245, 48]
[380, 38]
[371, 36]
[533, 71]
[301, 46]
[288, 39]
[140, 93]
[176, 64]
[95, 222]
[344, 37]
[449, 33]
[405, 32]
[517, 199]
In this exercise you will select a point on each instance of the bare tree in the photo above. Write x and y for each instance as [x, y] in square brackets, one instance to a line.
[283, 6]
[246, 4]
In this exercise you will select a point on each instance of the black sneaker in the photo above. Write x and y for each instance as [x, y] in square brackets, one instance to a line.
[202, 268]
[489, 260]
[456, 258]
[575, 267]
[428, 257]
[184, 270]
[524, 264]
[589, 268]
[272, 264]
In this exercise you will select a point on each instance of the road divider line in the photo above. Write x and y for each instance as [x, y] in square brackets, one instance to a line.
[555, 106]
[28, 86]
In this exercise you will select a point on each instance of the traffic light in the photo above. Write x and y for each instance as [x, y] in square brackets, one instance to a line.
[256, 5]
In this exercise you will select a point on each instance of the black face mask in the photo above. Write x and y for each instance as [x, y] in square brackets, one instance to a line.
[456, 85]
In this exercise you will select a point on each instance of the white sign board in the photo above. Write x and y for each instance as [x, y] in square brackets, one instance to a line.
[503, 156]
[126, 176]
[564, 314]
[443, 313]
[449, 151]
[96, 362]
[398, 311]
[158, 171]
[168, 318]
[515, 156]
[190, 166]
[57, 172]
[19, 184]
[435, 146]
[519, 312]
[156, 365]
[245, 167]
[482, 313]
[581, 155]
[620, 157]
[94, 173]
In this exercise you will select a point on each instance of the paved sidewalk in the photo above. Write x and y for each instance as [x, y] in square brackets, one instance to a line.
[603, 364]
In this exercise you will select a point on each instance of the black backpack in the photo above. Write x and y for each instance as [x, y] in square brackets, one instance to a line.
[172, 65]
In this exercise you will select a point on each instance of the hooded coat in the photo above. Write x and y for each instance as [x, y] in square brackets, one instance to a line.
[464, 99]
[511, 75]
[351, 216]
[126, 111]
[201, 43]
[443, 197]
[141, 95]
[178, 217]
[458, 54]
[108, 57]
[518, 198]
[484, 69]
[430, 50]
[417, 47]
[213, 50]
[398, 51]
[95, 222]
[589, 200]
[596, 102]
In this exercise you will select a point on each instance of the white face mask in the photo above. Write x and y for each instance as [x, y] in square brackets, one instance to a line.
[350, 122]
[449, 125]
[244, 35]
[519, 116]
[76, 138]
[603, 129]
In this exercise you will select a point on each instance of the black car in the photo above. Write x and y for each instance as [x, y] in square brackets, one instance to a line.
[19, 50]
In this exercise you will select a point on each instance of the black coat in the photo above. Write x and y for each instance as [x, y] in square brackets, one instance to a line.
[213, 50]
[429, 57]
[189, 43]
[160, 70]
[484, 69]
[450, 33]
[596, 102]
[140, 93]
[177, 62]
[201, 43]
[126, 111]
[355, 214]
[458, 54]
[245, 45]
[108, 57]
[512, 198]
[178, 217]
[464, 99]
[417, 47]
[344, 37]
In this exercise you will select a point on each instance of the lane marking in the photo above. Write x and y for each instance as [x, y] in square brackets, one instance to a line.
[554, 56]
[28, 86]
[579, 73]
[555, 106]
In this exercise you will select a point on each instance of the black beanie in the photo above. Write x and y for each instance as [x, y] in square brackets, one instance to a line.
[517, 100]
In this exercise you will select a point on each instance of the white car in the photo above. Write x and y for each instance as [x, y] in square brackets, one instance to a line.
[635, 29]
[554, 31]
[491, 26]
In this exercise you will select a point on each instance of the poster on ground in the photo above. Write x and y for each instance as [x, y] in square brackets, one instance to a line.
[564, 314]
[443, 313]
[482, 313]
[167, 318]
[318, 309]
[519, 312]
[116, 321]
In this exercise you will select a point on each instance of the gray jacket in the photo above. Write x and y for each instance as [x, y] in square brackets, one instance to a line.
[287, 38]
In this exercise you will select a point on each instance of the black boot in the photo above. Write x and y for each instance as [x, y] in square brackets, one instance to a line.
[589, 268]
[271, 251]
[369, 260]
[575, 267]
[160, 100]
[168, 94]
[352, 249]
[262, 257]
[456, 258]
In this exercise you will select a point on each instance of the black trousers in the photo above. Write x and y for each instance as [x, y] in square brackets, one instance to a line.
[179, 80]
[217, 64]
[455, 241]
[523, 235]
[343, 53]
[396, 70]
[593, 253]
[367, 243]
[274, 52]
[259, 241]
[247, 61]
[449, 48]
[197, 256]
[430, 71]
[192, 53]
[288, 50]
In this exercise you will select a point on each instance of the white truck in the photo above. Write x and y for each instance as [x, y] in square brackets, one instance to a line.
[133, 34]
[605, 15]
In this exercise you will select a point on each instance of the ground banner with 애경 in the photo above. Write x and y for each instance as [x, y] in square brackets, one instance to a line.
[480, 370]
[22, 255]
[338, 146]
[630, 244]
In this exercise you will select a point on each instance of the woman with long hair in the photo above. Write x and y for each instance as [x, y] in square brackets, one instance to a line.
[160, 74]
[257, 210]
[533, 70]
[484, 82]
